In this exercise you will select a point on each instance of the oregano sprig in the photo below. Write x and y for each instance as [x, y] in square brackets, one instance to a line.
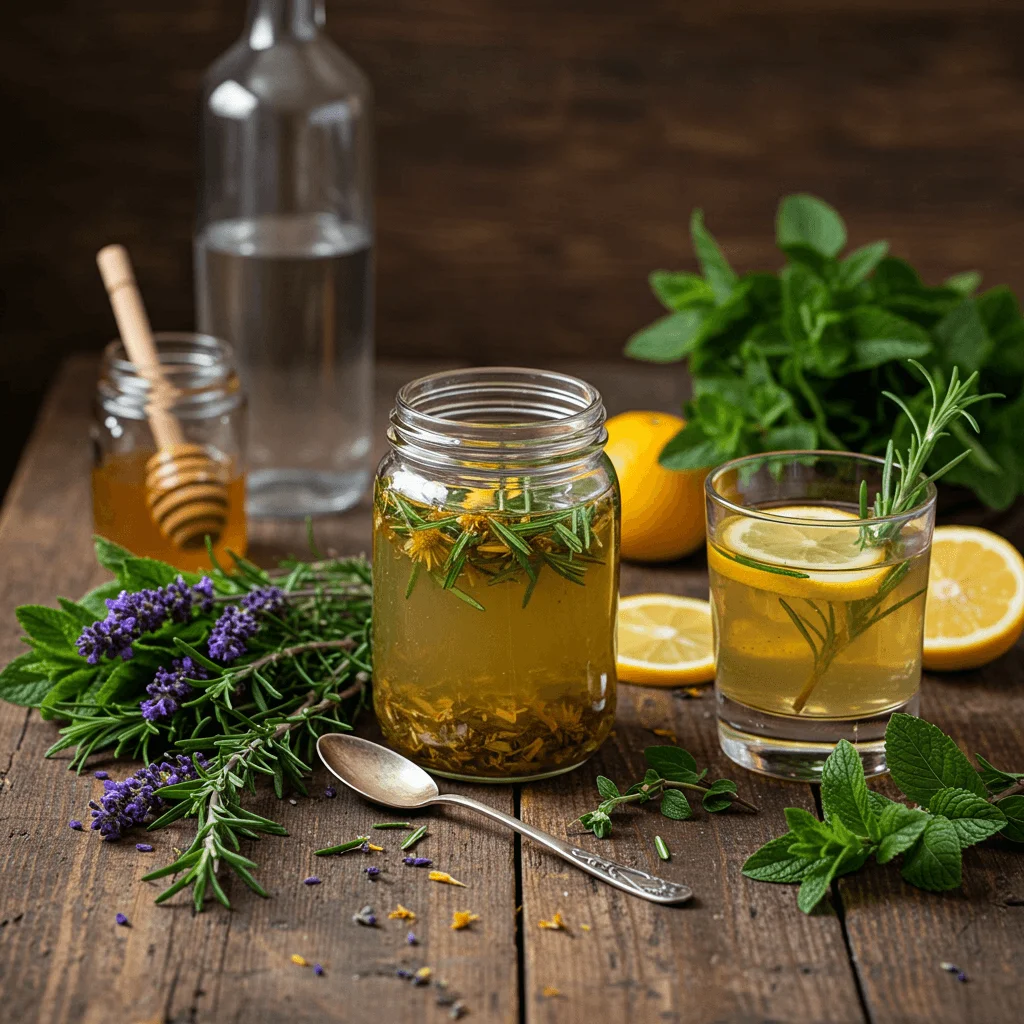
[671, 771]
[957, 805]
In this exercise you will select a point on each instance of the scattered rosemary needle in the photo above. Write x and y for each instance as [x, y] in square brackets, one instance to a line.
[443, 876]
[662, 847]
[352, 844]
[392, 824]
[413, 838]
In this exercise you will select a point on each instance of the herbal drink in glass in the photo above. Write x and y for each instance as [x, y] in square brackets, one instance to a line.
[818, 614]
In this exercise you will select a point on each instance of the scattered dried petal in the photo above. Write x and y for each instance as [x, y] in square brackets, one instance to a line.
[402, 914]
[961, 976]
[585, 927]
[667, 734]
[365, 917]
[947, 966]
[301, 961]
[557, 923]
[422, 976]
[375, 848]
[550, 992]
[293, 802]
[463, 919]
[443, 876]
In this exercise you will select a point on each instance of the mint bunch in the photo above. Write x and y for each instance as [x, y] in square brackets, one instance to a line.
[799, 358]
[670, 772]
[958, 805]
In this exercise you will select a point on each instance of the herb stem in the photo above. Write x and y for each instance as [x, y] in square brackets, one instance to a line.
[669, 784]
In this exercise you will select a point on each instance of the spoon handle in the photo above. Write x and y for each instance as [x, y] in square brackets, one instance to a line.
[631, 880]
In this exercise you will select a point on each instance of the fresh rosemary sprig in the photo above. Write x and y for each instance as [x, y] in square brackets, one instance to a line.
[670, 771]
[244, 666]
[902, 487]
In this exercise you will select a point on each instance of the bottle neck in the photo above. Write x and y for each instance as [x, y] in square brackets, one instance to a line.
[271, 20]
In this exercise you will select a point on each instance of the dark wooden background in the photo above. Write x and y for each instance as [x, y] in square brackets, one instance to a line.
[536, 157]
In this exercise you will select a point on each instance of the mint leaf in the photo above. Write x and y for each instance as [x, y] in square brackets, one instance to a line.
[962, 338]
[721, 278]
[598, 822]
[934, 861]
[882, 336]
[922, 760]
[774, 863]
[966, 282]
[110, 555]
[606, 787]
[24, 681]
[81, 615]
[860, 264]
[692, 448]
[56, 630]
[809, 221]
[899, 828]
[70, 685]
[719, 795]
[671, 763]
[669, 339]
[844, 793]
[150, 573]
[96, 600]
[675, 805]
[816, 883]
[677, 291]
[973, 817]
[994, 778]
[1013, 809]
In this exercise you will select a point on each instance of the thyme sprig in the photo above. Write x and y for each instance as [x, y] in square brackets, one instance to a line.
[671, 770]
[248, 668]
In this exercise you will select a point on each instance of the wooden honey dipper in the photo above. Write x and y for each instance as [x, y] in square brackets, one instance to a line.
[185, 489]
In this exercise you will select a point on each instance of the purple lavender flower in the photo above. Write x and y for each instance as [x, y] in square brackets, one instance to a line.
[264, 599]
[124, 805]
[417, 862]
[129, 615]
[75, 824]
[144, 847]
[317, 970]
[169, 688]
[122, 920]
[330, 792]
[312, 880]
[101, 775]
[372, 872]
[227, 638]
[411, 938]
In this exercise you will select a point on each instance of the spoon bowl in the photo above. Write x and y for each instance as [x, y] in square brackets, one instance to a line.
[381, 775]
[385, 777]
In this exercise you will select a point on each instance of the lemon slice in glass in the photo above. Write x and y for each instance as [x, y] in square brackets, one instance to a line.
[799, 559]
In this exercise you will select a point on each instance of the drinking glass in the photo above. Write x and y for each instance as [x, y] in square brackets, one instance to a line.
[818, 614]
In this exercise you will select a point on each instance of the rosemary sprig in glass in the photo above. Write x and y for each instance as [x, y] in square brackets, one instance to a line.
[903, 485]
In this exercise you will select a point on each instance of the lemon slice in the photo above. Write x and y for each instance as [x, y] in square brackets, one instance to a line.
[975, 607]
[814, 561]
[665, 640]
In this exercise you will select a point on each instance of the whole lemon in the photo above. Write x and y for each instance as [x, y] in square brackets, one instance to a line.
[662, 509]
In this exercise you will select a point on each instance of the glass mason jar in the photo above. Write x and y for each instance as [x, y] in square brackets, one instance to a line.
[818, 614]
[283, 253]
[208, 403]
[495, 574]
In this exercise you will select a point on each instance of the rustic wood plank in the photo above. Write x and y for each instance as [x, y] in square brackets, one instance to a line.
[739, 951]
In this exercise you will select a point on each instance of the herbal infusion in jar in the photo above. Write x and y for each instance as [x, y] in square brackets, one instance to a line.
[495, 563]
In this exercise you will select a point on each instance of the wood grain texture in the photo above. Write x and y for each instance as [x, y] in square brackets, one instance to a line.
[536, 159]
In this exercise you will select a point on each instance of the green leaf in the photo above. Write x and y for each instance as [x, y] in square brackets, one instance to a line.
[900, 828]
[82, 615]
[691, 448]
[1013, 810]
[973, 817]
[894, 276]
[774, 863]
[966, 282]
[994, 778]
[793, 437]
[719, 796]
[922, 760]
[110, 555]
[844, 793]
[96, 600]
[721, 278]
[149, 573]
[883, 336]
[69, 687]
[816, 883]
[934, 861]
[675, 805]
[597, 822]
[860, 264]
[55, 629]
[24, 681]
[963, 340]
[678, 291]
[807, 220]
[669, 339]
[606, 787]
[119, 683]
[671, 763]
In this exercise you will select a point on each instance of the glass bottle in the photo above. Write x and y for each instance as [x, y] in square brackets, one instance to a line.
[210, 407]
[495, 575]
[283, 253]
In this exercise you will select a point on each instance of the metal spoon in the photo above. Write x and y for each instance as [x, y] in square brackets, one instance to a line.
[387, 778]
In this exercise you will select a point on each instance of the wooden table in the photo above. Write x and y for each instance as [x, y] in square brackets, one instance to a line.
[741, 951]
